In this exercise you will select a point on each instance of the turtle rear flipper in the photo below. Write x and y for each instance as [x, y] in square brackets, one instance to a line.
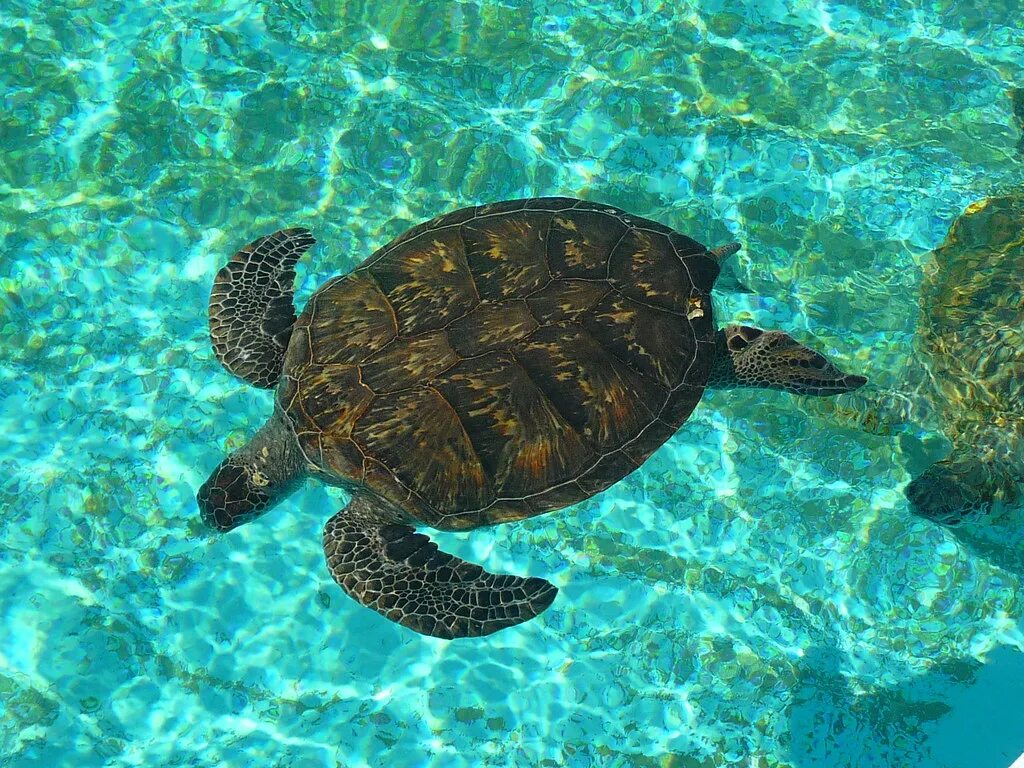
[251, 309]
[752, 357]
[403, 576]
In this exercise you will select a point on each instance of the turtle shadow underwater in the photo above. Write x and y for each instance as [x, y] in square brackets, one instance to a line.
[958, 714]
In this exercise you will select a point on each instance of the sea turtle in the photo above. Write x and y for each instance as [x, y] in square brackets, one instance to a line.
[489, 365]
[1017, 105]
[966, 378]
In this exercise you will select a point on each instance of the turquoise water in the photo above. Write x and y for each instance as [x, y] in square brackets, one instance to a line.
[759, 594]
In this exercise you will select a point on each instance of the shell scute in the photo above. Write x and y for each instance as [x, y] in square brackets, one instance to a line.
[579, 243]
[491, 326]
[408, 362]
[606, 472]
[639, 268]
[686, 247]
[649, 340]
[349, 320]
[426, 281]
[418, 436]
[603, 400]
[506, 253]
[522, 440]
[566, 300]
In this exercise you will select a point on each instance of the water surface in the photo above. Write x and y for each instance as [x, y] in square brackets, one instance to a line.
[759, 594]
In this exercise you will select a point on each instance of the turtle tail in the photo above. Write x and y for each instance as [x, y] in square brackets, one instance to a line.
[751, 357]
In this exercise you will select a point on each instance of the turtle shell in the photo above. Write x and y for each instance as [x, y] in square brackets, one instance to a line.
[502, 361]
[972, 309]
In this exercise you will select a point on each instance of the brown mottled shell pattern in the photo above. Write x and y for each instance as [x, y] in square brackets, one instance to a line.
[972, 309]
[503, 361]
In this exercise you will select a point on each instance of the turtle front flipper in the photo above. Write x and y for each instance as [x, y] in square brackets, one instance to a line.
[981, 475]
[403, 576]
[251, 309]
[751, 357]
[953, 491]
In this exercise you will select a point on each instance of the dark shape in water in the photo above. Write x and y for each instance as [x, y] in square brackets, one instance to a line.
[487, 366]
[968, 380]
[1017, 103]
[954, 714]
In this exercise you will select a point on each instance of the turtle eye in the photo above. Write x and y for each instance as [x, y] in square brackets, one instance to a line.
[740, 337]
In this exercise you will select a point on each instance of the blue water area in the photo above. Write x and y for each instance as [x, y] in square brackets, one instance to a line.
[758, 594]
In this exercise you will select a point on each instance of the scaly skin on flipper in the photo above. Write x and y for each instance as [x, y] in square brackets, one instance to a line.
[751, 357]
[981, 474]
[489, 365]
[401, 574]
[251, 310]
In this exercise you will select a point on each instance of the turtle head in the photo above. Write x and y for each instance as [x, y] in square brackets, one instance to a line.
[751, 357]
[252, 479]
[234, 494]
